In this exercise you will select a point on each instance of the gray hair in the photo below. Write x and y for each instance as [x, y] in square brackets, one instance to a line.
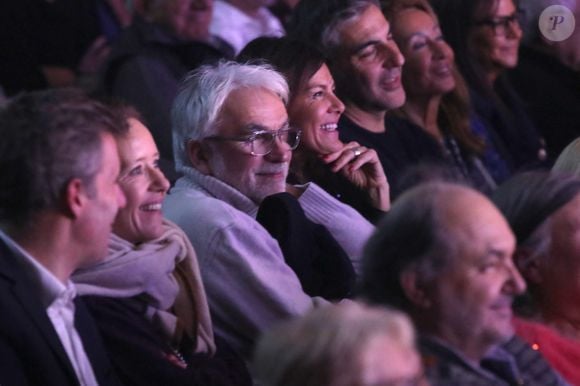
[330, 38]
[323, 347]
[319, 22]
[410, 237]
[569, 160]
[532, 10]
[527, 201]
[49, 138]
[198, 104]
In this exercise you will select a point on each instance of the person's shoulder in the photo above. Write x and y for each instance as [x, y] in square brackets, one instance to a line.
[444, 367]
[351, 131]
[194, 207]
[531, 364]
[441, 370]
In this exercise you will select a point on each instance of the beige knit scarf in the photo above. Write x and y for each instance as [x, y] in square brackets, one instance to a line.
[165, 272]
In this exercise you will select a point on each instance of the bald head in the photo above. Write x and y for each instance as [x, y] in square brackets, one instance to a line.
[426, 228]
[444, 254]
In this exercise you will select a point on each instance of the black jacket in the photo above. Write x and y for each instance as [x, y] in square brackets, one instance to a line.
[30, 350]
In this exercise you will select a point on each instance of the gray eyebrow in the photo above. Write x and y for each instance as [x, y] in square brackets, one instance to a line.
[254, 128]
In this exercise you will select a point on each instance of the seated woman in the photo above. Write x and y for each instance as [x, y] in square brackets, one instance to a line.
[485, 36]
[147, 295]
[350, 172]
[543, 211]
[437, 100]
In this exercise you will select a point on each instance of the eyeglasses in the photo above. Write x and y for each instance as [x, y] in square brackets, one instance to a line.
[501, 25]
[261, 142]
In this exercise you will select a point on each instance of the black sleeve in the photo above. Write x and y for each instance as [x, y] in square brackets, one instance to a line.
[11, 371]
[322, 266]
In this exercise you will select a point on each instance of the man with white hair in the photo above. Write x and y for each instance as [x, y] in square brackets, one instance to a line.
[233, 145]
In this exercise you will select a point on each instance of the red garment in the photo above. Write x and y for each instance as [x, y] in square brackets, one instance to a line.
[561, 352]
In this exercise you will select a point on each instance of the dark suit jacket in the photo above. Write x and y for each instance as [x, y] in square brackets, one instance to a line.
[30, 350]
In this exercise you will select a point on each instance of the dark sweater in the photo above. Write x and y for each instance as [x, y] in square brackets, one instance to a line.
[142, 356]
[551, 94]
[397, 147]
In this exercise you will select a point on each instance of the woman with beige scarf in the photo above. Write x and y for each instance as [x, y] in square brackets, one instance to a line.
[147, 295]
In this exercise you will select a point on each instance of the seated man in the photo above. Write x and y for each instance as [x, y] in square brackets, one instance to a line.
[348, 345]
[444, 255]
[233, 146]
[58, 198]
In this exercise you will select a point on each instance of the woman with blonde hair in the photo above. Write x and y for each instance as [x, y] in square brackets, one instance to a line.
[349, 344]
[147, 296]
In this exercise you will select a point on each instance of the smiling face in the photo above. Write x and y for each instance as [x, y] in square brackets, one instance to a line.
[368, 71]
[497, 50]
[428, 68]
[315, 109]
[143, 184]
[245, 110]
[471, 299]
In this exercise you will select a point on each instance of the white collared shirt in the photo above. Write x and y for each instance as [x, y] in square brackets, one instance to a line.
[58, 300]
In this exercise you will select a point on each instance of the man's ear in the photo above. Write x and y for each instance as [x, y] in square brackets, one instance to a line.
[76, 197]
[530, 270]
[415, 291]
[199, 155]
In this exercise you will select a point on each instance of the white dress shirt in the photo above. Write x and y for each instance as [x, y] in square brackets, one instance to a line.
[58, 300]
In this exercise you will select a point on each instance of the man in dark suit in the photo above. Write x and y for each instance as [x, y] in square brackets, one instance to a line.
[58, 198]
[444, 255]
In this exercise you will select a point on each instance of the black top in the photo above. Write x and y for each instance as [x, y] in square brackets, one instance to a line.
[142, 356]
[31, 352]
[507, 117]
[551, 94]
[397, 148]
[337, 185]
[405, 146]
[322, 266]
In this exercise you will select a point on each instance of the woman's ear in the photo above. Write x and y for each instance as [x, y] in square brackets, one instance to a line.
[199, 155]
[414, 290]
[528, 267]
